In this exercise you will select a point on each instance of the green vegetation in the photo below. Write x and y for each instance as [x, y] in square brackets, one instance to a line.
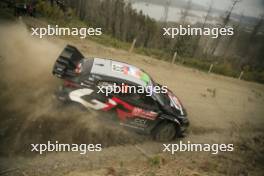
[121, 24]
[111, 42]
[155, 161]
[5, 12]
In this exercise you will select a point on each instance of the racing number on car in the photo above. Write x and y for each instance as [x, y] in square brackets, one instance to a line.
[77, 95]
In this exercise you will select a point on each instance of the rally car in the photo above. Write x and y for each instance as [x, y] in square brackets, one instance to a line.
[86, 81]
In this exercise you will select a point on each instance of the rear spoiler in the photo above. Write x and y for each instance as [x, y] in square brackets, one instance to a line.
[67, 62]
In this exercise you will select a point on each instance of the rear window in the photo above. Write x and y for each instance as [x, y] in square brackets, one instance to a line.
[87, 65]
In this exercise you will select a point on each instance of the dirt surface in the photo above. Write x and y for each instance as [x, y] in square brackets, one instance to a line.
[220, 109]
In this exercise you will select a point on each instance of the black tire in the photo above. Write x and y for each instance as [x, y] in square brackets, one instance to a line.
[165, 131]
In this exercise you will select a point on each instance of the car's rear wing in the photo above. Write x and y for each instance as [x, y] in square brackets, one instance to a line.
[67, 62]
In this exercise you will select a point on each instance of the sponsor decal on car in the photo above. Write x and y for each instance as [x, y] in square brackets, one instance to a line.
[130, 70]
[144, 114]
[131, 111]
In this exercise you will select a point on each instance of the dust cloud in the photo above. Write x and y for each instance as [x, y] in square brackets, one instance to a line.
[30, 113]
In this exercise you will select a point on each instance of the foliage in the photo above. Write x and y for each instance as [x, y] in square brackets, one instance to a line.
[121, 24]
[53, 12]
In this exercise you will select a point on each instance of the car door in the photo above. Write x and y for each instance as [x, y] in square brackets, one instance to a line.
[140, 111]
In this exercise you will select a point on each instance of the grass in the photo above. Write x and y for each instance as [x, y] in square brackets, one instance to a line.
[156, 161]
[71, 20]
[107, 40]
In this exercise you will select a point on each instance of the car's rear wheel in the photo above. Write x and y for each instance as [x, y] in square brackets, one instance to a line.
[165, 132]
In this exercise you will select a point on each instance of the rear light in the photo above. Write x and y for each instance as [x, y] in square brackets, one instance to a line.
[78, 69]
[71, 84]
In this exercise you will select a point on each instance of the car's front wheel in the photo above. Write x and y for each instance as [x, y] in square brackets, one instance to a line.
[165, 131]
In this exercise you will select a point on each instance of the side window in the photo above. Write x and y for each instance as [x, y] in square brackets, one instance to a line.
[148, 102]
[139, 100]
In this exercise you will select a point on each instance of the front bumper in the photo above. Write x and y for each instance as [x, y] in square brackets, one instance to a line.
[185, 123]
